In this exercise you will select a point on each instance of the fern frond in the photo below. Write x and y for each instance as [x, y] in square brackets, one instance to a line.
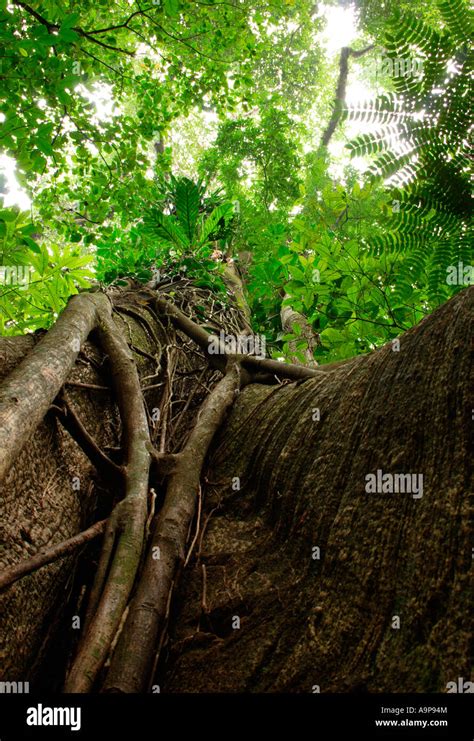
[458, 18]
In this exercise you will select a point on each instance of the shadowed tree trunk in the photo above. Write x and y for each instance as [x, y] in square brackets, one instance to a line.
[298, 577]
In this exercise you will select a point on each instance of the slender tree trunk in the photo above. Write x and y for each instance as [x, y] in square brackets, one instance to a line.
[298, 576]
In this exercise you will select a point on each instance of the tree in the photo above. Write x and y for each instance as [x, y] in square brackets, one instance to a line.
[176, 495]
[98, 88]
[296, 555]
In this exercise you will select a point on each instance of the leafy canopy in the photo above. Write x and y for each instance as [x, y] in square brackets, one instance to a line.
[93, 96]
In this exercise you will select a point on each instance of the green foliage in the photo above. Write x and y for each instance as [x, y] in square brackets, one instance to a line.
[37, 277]
[96, 96]
[91, 172]
[375, 15]
[267, 152]
[187, 201]
[122, 254]
[191, 224]
[430, 225]
[180, 241]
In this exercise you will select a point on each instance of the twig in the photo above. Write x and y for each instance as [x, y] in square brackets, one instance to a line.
[166, 398]
[153, 386]
[183, 411]
[198, 525]
[204, 607]
[203, 530]
[143, 353]
[54, 27]
[82, 385]
[221, 359]
[54, 553]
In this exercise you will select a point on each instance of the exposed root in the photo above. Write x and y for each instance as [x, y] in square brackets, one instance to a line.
[55, 552]
[27, 393]
[219, 360]
[126, 531]
[103, 567]
[92, 386]
[103, 464]
[133, 660]
[198, 527]
[25, 398]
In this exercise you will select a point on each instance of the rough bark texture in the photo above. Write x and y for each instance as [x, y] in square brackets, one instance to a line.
[149, 608]
[28, 391]
[52, 492]
[289, 318]
[304, 621]
[328, 621]
[46, 498]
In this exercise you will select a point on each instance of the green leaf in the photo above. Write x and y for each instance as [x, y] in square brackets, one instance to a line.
[70, 20]
[212, 221]
[40, 263]
[67, 34]
[8, 215]
[166, 227]
[187, 200]
[296, 273]
[333, 336]
[171, 7]
[44, 145]
[34, 246]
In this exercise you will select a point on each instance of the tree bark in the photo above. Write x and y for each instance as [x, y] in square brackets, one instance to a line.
[289, 318]
[300, 578]
[345, 55]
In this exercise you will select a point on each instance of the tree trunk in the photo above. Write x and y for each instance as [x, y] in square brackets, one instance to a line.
[301, 578]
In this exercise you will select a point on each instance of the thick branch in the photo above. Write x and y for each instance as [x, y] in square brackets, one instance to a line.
[290, 317]
[275, 367]
[186, 325]
[220, 359]
[234, 283]
[346, 52]
[27, 393]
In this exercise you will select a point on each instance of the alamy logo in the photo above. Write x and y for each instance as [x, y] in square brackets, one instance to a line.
[460, 686]
[46, 716]
[399, 66]
[15, 275]
[394, 483]
[237, 344]
[460, 275]
[14, 688]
